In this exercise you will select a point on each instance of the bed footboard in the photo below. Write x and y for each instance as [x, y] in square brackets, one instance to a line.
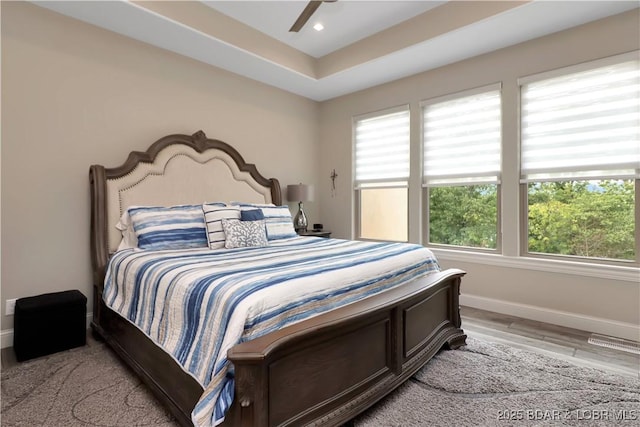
[326, 370]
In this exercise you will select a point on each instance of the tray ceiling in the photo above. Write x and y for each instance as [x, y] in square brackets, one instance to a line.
[364, 43]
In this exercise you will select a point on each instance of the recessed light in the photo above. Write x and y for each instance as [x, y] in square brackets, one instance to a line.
[318, 27]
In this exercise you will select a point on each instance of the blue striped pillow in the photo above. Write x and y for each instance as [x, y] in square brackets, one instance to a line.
[278, 220]
[175, 227]
[213, 216]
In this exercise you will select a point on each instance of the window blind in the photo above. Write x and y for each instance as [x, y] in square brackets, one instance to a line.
[462, 140]
[382, 149]
[582, 125]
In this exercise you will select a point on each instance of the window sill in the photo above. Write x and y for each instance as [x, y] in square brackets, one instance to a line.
[612, 272]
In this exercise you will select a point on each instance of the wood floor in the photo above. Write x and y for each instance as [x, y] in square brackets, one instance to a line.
[553, 340]
[557, 341]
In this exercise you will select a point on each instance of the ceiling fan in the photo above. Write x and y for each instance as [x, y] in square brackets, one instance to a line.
[306, 14]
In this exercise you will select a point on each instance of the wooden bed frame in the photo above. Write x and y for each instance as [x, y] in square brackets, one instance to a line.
[322, 371]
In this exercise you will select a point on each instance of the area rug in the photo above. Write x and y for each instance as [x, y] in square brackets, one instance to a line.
[490, 384]
[86, 386]
[481, 384]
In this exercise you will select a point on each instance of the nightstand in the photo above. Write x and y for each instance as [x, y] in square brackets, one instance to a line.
[321, 233]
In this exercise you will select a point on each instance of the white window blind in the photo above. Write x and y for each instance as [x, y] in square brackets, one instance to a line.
[582, 125]
[382, 149]
[462, 139]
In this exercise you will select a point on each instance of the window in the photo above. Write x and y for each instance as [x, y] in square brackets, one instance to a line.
[381, 143]
[580, 159]
[461, 170]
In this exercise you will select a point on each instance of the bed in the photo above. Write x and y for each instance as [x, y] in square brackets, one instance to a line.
[316, 364]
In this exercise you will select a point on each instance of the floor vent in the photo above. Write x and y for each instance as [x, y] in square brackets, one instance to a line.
[615, 343]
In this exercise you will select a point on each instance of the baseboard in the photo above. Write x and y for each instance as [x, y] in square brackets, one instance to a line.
[563, 318]
[6, 336]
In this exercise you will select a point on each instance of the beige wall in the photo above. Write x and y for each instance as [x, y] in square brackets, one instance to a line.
[74, 95]
[573, 295]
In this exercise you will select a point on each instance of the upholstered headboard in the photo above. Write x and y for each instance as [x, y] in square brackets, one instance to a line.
[176, 169]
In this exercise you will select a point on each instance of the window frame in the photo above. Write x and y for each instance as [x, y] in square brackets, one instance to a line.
[523, 186]
[425, 194]
[357, 199]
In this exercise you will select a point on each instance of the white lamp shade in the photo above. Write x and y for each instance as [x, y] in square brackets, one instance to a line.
[300, 193]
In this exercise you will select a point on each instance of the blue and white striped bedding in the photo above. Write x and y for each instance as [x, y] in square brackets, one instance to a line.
[198, 303]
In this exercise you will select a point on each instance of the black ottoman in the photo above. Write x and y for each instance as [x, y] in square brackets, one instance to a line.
[49, 323]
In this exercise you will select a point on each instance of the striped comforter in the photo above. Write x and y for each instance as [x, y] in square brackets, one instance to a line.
[198, 303]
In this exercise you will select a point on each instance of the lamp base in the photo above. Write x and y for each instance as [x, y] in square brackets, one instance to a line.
[300, 221]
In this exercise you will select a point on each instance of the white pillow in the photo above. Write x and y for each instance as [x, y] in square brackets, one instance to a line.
[244, 234]
[129, 238]
[213, 216]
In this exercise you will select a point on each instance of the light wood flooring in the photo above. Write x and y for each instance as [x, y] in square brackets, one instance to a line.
[553, 340]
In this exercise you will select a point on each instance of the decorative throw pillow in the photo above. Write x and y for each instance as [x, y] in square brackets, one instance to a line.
[251, 215]
[213, 216]
[243, 234]
[174, 227]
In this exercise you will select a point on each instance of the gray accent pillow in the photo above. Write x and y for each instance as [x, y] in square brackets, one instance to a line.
[243, 234]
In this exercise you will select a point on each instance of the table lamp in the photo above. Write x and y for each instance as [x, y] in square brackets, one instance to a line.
[300, 193]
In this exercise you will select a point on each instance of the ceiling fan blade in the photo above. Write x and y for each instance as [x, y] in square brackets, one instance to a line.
[305, 15]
